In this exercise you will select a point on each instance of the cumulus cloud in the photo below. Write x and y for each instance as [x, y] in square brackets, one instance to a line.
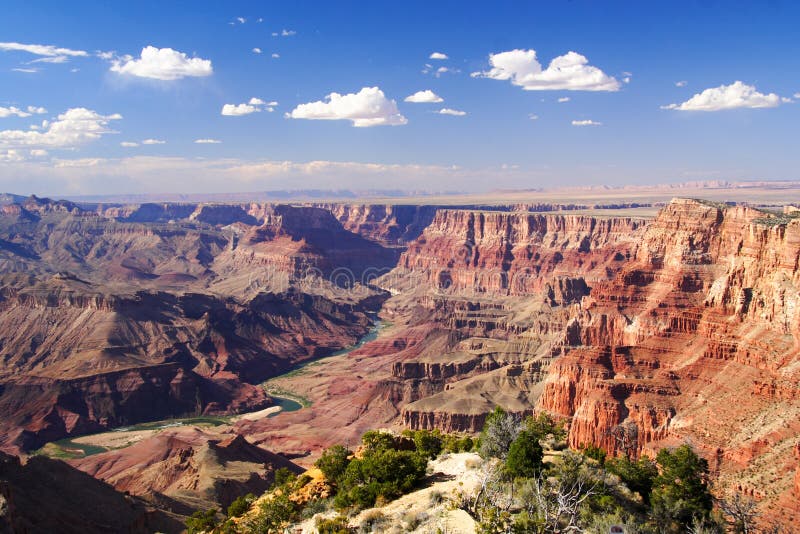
[154, 142]
[681, 83]
[162, 64]
[586, 122]
[256, 50]
[570, 72]
[207, 141]
[733, 96]
[368, 107]
[75, 127]
[42, 50]
[563, 99]
[454, 112]
[128, 144]
[424, 97]
[438, 55]
[275, 55]
[284, 33]
[13, 111]
[237, 110]
[254, 105]
[533, 117]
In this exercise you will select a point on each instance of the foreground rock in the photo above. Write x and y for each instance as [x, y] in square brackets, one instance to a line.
[46, 495]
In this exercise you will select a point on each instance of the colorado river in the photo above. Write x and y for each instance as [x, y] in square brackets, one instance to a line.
[121, 437]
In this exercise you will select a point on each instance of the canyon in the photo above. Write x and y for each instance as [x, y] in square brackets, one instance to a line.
[639, 330]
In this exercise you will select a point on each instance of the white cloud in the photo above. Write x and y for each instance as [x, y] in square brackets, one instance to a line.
[256, 50]
[368, 107]
[275, 55]
[42, 50]
[586, 122]
[38, 153]
[71, 129]
[207, 141]
[254, 105]
[796, 95]
[533, 117]
[260, 20]
[424, 97]
[444, 70]
[162, 64]
[237, 110]
[438, 55]
[563, 99]
[241, 20]
[284, 33]
[128, 144]
[681, 83]
[733, 96]
[154, 142]
[11, 156]
[52, 59]
[454, 112]
[25, 70]
[570, 72]
[12, 111]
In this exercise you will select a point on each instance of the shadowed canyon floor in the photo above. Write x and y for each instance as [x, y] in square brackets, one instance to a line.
[642, 329]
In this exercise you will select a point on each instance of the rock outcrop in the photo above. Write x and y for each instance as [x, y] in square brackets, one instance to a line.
[45, 495]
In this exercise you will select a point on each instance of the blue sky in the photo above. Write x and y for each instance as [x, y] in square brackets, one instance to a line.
[615, 131]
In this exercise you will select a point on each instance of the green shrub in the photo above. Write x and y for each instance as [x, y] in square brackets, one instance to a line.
[594, 452]
[428, 444]
[384, 473]
[201, 521]
[524, 456]
[680, 495]
[335, 525]
[333, 462]
[241, 505]
[375, 439]
[274, 514]
[637, 475]
[283, 476]
[544, 425]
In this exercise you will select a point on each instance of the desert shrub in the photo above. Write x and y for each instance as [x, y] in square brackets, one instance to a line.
[375, 439]
[373, 521]
[680, 495]
[498, 432]
[428, 444]
[334, 525]
[524, 456]
[333, 462]
[413, 520]
[274, 514]
[637, 475]
[595, 453]
[379, 473]
[241, 505]
[544, 425]
[283, 476]
[316, 506]
[201, 521]
[436, 498]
